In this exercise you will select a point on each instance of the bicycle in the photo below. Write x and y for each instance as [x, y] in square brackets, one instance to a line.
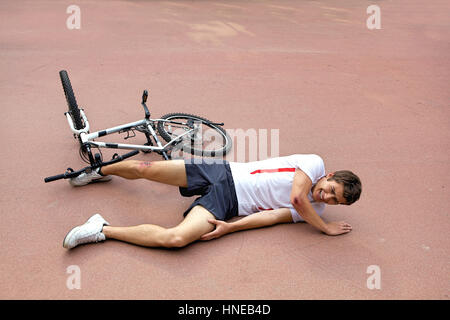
[188, 135]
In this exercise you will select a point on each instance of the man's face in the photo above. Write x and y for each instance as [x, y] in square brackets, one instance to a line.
[329, 192]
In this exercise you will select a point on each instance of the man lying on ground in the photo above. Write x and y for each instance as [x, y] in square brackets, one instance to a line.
[278, 190]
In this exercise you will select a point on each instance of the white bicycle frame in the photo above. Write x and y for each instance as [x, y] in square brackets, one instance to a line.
[87, 137]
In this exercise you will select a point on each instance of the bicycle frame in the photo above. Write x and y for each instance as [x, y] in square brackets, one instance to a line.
[87, 138]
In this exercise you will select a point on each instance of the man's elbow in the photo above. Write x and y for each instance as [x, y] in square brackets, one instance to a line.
[298, 200]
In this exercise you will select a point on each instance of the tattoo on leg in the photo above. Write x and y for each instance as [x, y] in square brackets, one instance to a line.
[145, 164]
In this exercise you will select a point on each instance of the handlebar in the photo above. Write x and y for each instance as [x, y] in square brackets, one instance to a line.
[70, 173]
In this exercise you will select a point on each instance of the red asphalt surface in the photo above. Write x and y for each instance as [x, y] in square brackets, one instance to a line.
[372, 101]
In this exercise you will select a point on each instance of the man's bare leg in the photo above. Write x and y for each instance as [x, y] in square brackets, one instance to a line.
[189, 230]
[171, 172]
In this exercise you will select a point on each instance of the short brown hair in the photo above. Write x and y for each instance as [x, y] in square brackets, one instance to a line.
[351, 183]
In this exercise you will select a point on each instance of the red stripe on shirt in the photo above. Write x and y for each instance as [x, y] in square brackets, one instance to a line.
[273, 170]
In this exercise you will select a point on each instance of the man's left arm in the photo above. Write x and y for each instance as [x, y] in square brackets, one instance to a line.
[256, 220]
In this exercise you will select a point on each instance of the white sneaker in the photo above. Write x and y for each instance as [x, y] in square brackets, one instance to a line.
[89, 232]
[86, 178]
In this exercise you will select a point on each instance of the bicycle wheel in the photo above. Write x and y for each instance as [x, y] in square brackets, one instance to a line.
[210, 141]
[71, 101]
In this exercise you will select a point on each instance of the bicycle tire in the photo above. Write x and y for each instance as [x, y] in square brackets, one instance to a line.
[71, 101]
[195, 151]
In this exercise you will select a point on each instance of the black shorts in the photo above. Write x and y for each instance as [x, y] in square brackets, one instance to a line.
[212, 181]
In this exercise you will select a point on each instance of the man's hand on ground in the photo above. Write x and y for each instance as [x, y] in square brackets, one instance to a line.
[222, 228]
[336, 228]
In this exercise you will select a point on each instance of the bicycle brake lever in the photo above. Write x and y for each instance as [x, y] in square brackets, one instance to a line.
[144, 100]
[144, 96]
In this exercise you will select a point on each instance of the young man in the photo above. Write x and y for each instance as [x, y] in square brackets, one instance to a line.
[278, 190]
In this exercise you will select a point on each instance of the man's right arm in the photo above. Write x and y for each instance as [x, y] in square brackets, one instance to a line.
[301, 186]
[299, 200]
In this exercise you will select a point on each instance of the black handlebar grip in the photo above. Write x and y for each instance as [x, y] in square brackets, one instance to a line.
[129, 154]
[120, 158]
[53, 178]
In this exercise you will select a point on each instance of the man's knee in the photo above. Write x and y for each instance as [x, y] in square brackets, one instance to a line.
[140, 168]
[175, 239]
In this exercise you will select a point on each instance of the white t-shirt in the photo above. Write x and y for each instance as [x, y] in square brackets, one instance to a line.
[267, 184]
